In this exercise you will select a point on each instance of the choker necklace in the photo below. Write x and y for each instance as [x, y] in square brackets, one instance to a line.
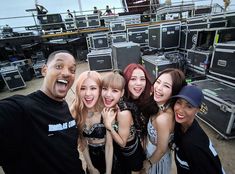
[162, 107]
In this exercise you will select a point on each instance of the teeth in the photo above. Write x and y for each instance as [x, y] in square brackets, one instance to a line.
[63, 81]
[88, 99]
[158, 94]
[180, 116]
[137, 89]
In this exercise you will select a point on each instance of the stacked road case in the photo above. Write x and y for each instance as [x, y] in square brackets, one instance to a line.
[97, 41]
[199, 61]
[12, 78]
[93, 20]
[218, 106]
[100, 60]
[164, 35]
[81, 21]
[154, 64]
[87, 21]
[222, 64]
[219, 87]
[70, 24]
[118, 37]
[51, 22]
[24, 69]
[138, 35]
[117, 26]
[125, 53]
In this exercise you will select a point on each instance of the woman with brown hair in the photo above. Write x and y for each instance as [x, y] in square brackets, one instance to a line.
[161, 122]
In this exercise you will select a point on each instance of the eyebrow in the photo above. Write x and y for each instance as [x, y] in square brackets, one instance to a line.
[164, 82]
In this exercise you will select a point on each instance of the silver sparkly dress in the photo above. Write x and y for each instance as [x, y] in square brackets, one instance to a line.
[164, 165]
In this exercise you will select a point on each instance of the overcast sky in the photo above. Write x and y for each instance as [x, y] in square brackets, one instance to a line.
[12, 8]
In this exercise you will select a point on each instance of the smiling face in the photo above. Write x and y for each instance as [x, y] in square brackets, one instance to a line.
[163, 88]
[59, 74]
[89, 93]
[111, 96]
[137, 83]
[184, 113]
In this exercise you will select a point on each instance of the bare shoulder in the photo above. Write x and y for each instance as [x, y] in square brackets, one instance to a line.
[165, 117]
[126, 114]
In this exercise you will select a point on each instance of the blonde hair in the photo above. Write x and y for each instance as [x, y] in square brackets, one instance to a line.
[78, 109]
[114, 80]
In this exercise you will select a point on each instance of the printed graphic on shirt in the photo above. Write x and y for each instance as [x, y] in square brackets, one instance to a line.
[61, 126]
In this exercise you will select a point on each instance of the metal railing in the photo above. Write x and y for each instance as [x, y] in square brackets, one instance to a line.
[31, 22]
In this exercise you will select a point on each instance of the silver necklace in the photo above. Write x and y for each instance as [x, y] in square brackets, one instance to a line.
[90, 114]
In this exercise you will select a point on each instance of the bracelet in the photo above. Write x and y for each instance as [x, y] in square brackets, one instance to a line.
[151, 164]
[108, 129]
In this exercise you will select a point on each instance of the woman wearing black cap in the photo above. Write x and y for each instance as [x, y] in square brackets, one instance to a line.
[194, 152]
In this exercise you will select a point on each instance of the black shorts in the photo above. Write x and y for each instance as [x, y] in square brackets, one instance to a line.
[130, 157]
[97, 155]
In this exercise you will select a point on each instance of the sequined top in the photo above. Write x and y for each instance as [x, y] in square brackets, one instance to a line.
[138, 119]
[97, 130]
[132, 130]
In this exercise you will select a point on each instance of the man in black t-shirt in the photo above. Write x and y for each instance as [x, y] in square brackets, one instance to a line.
[38, 134]
[194, 152]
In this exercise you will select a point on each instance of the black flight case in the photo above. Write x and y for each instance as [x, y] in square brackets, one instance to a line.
[100, 60]
[222, 63]
[165, 35]
[138, 35]
[12, 77]
[218, 106]
[154, 64]
[125, 53]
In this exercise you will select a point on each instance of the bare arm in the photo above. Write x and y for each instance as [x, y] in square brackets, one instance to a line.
[87, 158]
[109, 152]
[163, 124]
[124, 119]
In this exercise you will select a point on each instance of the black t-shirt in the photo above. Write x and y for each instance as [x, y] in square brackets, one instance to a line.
[194, 152]
[38, 135]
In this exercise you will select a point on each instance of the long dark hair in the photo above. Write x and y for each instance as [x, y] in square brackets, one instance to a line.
[178, 81]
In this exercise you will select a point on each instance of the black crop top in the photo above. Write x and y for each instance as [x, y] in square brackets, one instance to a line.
[98, 131]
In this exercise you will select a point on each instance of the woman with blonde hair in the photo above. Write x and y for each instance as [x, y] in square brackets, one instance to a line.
[95, 142]
[118, 119]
